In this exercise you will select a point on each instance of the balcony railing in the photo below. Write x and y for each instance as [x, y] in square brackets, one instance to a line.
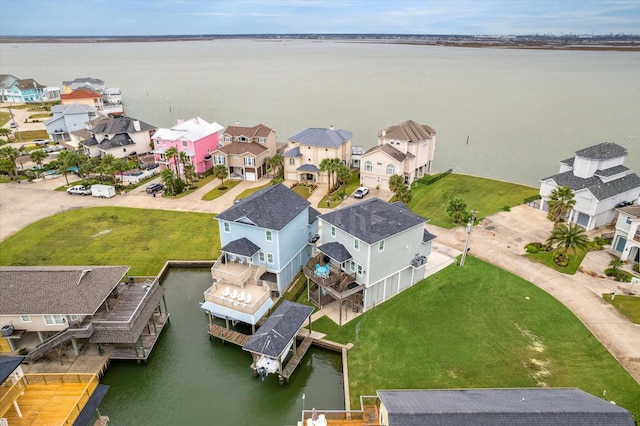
[234, 273]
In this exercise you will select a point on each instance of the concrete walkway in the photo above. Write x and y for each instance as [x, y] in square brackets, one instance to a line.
[499, 239]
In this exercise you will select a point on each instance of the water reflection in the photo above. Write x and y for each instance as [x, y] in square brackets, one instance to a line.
[190, 379]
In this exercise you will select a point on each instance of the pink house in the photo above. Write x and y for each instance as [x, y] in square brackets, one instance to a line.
[195, 137]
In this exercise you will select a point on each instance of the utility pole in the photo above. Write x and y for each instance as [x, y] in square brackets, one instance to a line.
[468, 230]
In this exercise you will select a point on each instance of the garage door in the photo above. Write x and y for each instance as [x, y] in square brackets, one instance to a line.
[250, 176]
[369, 181]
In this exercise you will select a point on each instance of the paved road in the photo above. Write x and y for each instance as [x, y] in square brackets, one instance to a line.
[499, 239]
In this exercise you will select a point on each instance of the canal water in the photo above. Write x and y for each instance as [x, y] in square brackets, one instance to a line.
[192, 380]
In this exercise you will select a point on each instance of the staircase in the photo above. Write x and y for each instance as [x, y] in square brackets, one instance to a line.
[81, 332]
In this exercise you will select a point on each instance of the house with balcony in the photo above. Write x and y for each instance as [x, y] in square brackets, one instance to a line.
[307, 149]
[196, 138]
[406, 149]
[94, 84]
[20, 91]
[67, 119]
[119, 136]
[83, 96]
[77, 304]
[265, 240]
[368, 253]
[626, 239]
[245, 151]
[600, 182]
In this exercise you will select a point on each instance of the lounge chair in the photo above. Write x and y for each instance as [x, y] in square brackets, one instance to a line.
[226, 292]
[247, 299]
[241, 297]
[234, 295]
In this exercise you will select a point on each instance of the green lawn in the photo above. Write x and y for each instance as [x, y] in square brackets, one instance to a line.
[477, 326]
[336, 198]
[629, 306]
[546, 258]
[218, 191]
[488, 196]
[142, 239]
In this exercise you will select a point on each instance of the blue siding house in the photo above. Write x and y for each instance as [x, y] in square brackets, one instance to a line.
[265, 240]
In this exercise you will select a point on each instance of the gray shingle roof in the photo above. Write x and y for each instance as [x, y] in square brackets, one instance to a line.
[63, 290]
[409, 131]
[391, 151]
[373, 220]
[269, 208]
[7, 365]
[117, 141]
[612, 171]
[324, 138]
[602, 151]
[313, 215]
[336, 251]
[293, 152]
[308, 168]
[121, 125]
[273, 337]
[600, 190]
[242, 247]
[497, 407]
[428, 236]
[633, 211]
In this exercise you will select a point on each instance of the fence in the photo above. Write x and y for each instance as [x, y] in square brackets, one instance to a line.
[428, 180]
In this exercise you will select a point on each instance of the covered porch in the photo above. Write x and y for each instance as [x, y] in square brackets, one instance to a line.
[328, 281]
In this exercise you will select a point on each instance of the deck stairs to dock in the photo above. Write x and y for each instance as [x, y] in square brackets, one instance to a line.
[232, 336]
[81, 332]
[370, 415]
[297, 357]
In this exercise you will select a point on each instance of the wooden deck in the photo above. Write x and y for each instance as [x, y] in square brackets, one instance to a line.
[52, 399]
[228, 335]
[297, 357]
[149, 340]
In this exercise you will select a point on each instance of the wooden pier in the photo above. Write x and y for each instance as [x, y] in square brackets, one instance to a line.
[297, 357]
[228, 335]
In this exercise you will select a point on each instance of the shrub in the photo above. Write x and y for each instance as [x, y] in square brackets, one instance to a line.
[623, 276]
[595, 246]
[561, 259]
[611, 272]
[636, 267]
[23, 351]
[532, 248]
[506, 208]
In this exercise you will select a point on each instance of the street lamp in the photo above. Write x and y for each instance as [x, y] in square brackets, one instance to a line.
[468, 231]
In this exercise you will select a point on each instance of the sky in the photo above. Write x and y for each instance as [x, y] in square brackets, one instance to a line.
[193, 17]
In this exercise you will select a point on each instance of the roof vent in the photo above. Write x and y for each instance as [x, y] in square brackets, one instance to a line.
[84, 272]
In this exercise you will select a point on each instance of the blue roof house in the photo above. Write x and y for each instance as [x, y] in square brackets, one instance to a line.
[265, 240]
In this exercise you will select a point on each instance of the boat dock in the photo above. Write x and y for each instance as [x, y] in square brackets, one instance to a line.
[228, 335]
[297, 357]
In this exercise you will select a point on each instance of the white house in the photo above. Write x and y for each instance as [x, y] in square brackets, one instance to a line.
[626, 240]
[120, 137]
[600, 182]
[406, 149]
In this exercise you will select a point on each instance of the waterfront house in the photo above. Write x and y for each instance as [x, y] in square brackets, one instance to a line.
[67, 119]
[83, 96]
[94, 84]
[406, 149]
[20, 91]
[46, 398]
[119, 136]
[496, 407]
[600, 182]
[245, 151]
[92, 91]
[307, 149]
[76, 304]
[368, 253]
[265, 240]
[626, 240]
[196, 138]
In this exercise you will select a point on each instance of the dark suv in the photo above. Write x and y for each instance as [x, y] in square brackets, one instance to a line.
[154, 188]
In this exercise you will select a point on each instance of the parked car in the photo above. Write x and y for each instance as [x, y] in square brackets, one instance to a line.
[361, 192]
[154, 188]
[41, 142]
[13, 125]
[79, 190]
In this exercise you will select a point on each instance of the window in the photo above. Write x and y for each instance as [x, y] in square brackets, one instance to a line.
[227, 139]
[360, 269]
[269, 235]
[333, 231]
[381, 245]
[390, 169]
[292, 161]
[226, 226]
[249, 161]
[219, 159]
[270, 258]
[261, 256]
[74, 317]
[352, 266]
[628, 220]
[262, 140]
[185, 143]
[242, 139]
[356, 244]
[25, 318]
[368, 166]
[53, 319]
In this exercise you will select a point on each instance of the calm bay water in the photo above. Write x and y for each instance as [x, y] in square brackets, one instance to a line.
[522, 111]
[191, 380]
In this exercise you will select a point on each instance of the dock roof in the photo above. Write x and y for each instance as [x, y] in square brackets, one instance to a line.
[274, 336]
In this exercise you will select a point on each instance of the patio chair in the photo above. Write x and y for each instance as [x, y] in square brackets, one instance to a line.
[241, 297]
[247, 299]
[226, 292]
[234, 295]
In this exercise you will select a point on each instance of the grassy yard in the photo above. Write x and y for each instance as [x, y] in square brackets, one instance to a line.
[29, 135]
[546, 258]
[218, 191]
[488, 196]
[629, 306]
[477, 326]
[336, 197]
[142, 239]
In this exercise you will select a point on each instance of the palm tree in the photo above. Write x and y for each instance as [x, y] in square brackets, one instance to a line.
[569, 238]
[67, 160]
[403, 193]
[220, 172]
[457, 210]
[8, 155]
[395, 182]
[38, 157]
[343, 174]
[182, 159]
[169, 180]
[171, 154]
[276, 162]
[329, 165]
[561, 202]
